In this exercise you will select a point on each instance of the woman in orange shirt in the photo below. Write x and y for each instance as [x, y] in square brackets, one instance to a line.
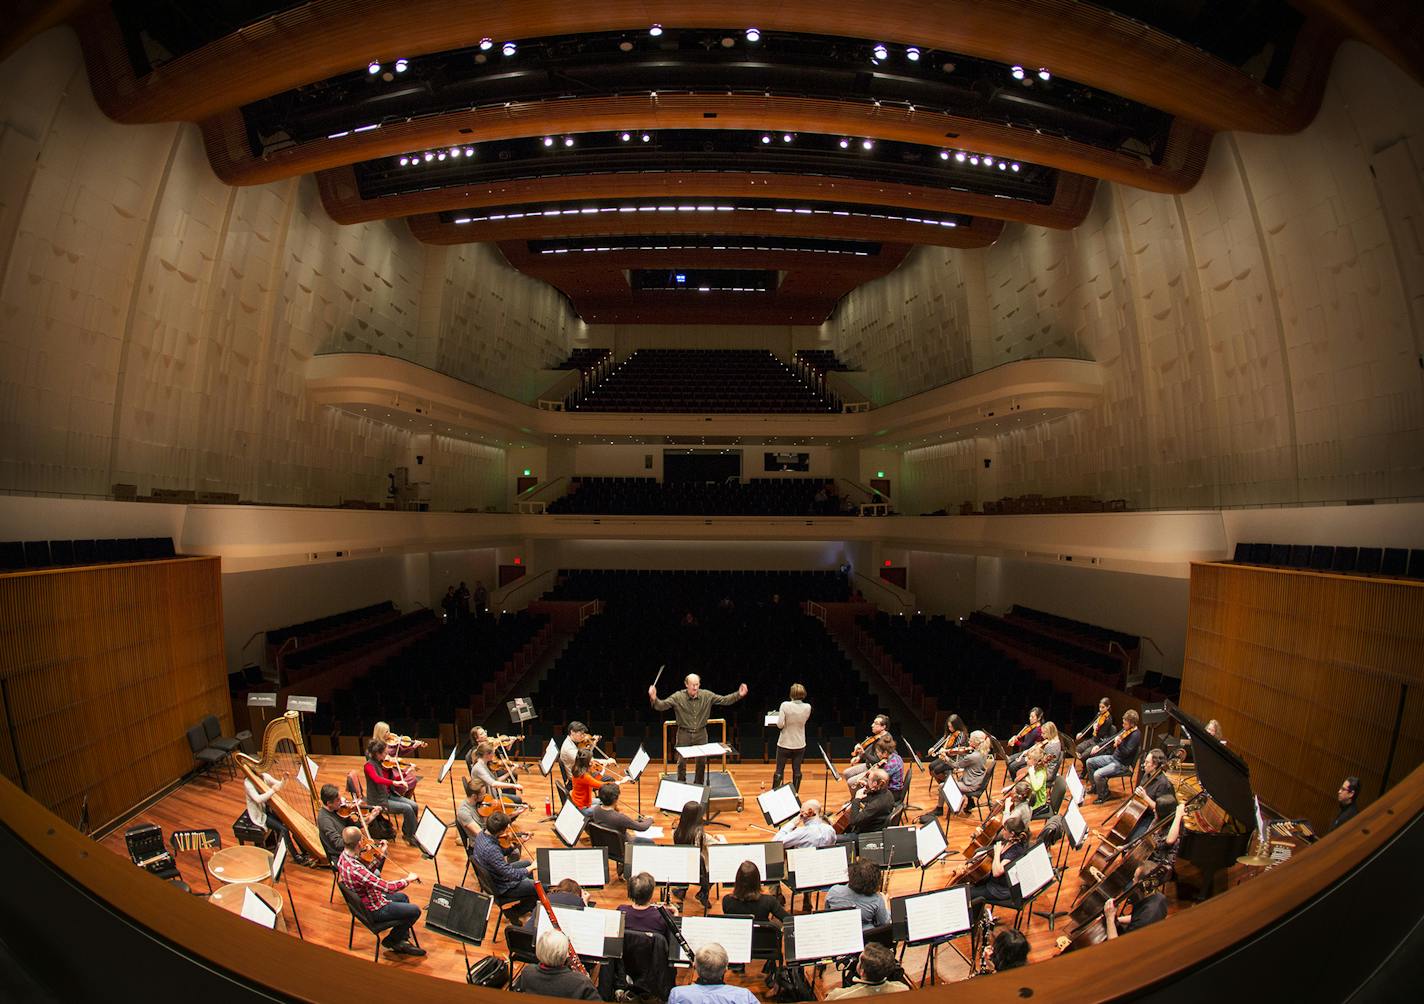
[584, 785]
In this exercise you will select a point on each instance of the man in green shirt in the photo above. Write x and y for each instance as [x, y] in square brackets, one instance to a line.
[692, 707]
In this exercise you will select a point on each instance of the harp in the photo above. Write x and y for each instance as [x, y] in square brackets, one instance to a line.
[283, 749]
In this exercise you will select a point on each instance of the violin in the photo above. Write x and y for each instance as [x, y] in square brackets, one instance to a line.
[1022, 734]
[404, 775]
[588, 742]
[371, 852]
[357, 809]
[601, 772]
[862, 746]
[1103, 718]
[491, 804]
[952, 743]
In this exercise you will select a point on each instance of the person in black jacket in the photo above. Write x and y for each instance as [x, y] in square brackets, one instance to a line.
[871, 808]
[1349, 799]
[747, 898]
[1116, 758]
[552, 977]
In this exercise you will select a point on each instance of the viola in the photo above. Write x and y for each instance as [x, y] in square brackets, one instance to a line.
[404, 776]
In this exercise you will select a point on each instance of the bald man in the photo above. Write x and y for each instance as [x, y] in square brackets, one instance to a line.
[693, 706]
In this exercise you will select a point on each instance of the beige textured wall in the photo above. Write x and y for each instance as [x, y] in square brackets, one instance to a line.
[1261, 334]
[155, 323]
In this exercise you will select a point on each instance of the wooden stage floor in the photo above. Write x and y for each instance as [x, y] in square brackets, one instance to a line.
[202, 804]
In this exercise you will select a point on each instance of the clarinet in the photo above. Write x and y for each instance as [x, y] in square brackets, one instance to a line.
[575, 963]
[676, 932]
[986, 951]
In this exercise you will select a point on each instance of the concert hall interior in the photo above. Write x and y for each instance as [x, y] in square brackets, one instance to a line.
[868, 496]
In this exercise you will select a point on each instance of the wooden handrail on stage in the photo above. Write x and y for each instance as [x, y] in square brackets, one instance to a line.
[200, 936]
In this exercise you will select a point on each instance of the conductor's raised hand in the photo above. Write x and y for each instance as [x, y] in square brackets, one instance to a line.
[653, 692]
[742, 690]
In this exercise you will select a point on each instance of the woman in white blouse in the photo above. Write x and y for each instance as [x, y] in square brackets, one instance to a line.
[791, 744]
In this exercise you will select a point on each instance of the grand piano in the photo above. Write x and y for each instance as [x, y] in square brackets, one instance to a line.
[1219, 830]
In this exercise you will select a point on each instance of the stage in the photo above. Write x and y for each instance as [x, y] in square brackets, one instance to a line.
[202, 804]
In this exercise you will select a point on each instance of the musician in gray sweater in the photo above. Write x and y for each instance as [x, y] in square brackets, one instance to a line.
[791, 744]
[692, 707]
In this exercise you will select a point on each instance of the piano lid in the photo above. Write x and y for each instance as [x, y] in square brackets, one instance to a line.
[1224, 776]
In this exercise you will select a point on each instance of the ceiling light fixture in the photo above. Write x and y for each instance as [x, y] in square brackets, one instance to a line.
[1043, 73]
[786, 137]
[1017, 72]
[568, 141]
[765, 138]
[655, 30]
[880, 52]
[486, 44]
[944, 155]
[753, 34]
[845, 144]
[401, 65]
[625, 137]
[548, 141]
[373, 67]
[509, 48]
[867, 144]
[960, 156]
[912, 54]
[646, 137]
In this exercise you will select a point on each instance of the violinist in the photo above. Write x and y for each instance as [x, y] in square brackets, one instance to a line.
[381, 790]
[578, 738]
[975, 768]
[382, 898]
[1052, 746]
[1018, 804]
[330, 823]
[584, 782]
[1115, 758]
[508, 879]
[864, 756]
[953, 745]
[871, 807]
[998, 887]
[483, 770]
[808, 829]
[468, 814]
[502, 768]
[1097, 731]
[1029, 735]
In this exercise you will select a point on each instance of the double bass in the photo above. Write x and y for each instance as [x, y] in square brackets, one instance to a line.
[1095, 930]
[1114, 840]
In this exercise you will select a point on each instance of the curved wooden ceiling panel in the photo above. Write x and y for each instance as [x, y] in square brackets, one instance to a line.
[1078, 41]
[431, 229]
[344, 204]
[232, 159]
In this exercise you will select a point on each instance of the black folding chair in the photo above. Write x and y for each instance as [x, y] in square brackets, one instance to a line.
[377, 928]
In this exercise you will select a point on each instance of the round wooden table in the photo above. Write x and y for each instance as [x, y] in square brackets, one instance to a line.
[230, 898]
[242, 865]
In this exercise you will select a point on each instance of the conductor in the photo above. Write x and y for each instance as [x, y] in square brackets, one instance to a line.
[692, 707]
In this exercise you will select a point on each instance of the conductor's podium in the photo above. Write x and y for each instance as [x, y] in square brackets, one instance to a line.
[723, 795]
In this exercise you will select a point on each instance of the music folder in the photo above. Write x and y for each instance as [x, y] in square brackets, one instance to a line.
[930, 916]
[723, 860]
[673, 795]
[778, 805]
[594, 933]
[459, 912]
[890, 848]
[588, 866]
[829, 934]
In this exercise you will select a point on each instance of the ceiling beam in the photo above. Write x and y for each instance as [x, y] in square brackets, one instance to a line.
[1079, 41]
[233, 161]
[344, 203]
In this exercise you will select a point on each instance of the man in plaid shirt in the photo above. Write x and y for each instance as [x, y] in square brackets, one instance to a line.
[382, 898]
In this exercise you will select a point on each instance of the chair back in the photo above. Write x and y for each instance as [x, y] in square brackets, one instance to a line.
[1057, 793]
[197, 739]
[646, 959]
[882, 935]
[602, 836]
[211, 729]
[766, 940]
[353, 903]
[356, 782]
[520, 943]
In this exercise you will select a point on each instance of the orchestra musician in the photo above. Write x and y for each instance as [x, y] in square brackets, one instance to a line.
[871, 807]
[584, 782]
[1149, 911]
[268, 821]
[861, 891]
[1010, 950]
[1018, 804]
[468, 813]
[1115, 758]
[1097, 731]
[1052, 746]
[876, 974]
[808, 829]
[483, 770]
[1156, 785]
[577, 738]
[381, 789]
[998, 888]
[975, 768]
[892, 763]
[949, 749]
[692, 706]
[552, 976]
[866, 753]
[509, 878]
[606, 814]
[382, 898]
[1027, 736]
[504, 769]
[330, 825]
[1349, 799]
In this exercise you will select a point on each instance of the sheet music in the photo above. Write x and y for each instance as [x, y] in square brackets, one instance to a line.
[827, 935]
[450, 762]
[1032, 872]
[551, 753]
[675, 864]
[723, 860]
[430, 832]
[652, 833]
[638, 764]
[772, 719]
[673, 795]
[779, 804]
[586, 928]
[937, 914]
[814, 867]
[1077, 825]
[1075, 785]
[302, 775]
[706, 749]
[255, 909]
[952, 794]
[733, 933]
[278, 860]
[569, 823]
[586, 866]
[929, 843]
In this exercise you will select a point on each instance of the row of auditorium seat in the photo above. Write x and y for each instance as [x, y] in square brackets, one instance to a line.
[350, 648]
[306, 631]
[21, 554]
[1397, 562]
[702, 380]
[648, 497]
[584, 359]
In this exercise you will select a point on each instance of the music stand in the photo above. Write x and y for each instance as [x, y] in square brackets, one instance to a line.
[430, 834]
[953, 904]
[1075, 835]
[831, 772]
[930, 847]
[459, 913]
[521, 710]
[919, 764]
[636, 768]
[279, 860]
[445, 774]
[546, 767]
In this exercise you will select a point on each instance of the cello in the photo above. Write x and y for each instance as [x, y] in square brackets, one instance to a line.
[1095, 930]
[1112, 842]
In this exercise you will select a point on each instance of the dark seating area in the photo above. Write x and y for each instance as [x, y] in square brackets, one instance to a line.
[452, 670]
[354, 646]
[1392, 562]
[963, 673]
[1100, 666]
[823, 360]
[729, 627]
[584, 359]
[703, 380]
[649, 497]
[1033, 505]
[309, 633]
[16, 555]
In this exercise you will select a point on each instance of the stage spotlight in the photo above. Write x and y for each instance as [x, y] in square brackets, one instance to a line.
[646, 137]
[753, 34]
[548, 141]
[509, 48]
[1043, 73]
[1018, 72]
[1014, 166]
[786, 137]
[625, 137]
[373, 67]
[568, 141]
[655, 30]
[486, 44]
[867, 144]
[912, 54]
[401, 65]
[880, 52]
[960, 156]
[944, 155]
[845, 144]
[404, 161]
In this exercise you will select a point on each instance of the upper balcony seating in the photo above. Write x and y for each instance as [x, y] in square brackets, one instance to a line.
[647, 497]
[725, 381]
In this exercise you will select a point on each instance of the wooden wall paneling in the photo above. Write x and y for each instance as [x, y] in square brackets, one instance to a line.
[1307, 672]
[104, 669]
